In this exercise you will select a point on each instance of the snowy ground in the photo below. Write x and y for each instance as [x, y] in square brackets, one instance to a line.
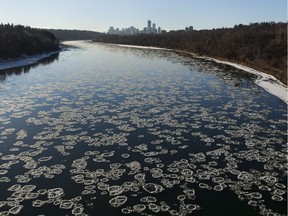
[142, 47]
[25, 61]
[266, 81]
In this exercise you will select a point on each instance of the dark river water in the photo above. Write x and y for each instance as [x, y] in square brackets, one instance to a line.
[108, 130]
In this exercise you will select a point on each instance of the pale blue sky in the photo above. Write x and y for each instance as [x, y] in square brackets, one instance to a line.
[99, 15]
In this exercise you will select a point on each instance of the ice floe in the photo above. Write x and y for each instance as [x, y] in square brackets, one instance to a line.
[144, 142]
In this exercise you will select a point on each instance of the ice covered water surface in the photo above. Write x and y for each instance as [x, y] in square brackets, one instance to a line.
[109, 130]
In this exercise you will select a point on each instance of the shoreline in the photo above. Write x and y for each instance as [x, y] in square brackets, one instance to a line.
[266, 81]
[29, 60]
[142, 47]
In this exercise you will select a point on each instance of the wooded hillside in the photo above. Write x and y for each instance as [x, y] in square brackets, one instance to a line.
[262, 46]
[16, 41]
[65, 35]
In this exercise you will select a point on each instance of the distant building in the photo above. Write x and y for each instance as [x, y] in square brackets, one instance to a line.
[112, 30]
[154, 30]
[149, 26]
[150, 29]
[190, 28]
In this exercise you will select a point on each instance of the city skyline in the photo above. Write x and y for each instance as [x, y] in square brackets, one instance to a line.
[149, 29]
[99, 15]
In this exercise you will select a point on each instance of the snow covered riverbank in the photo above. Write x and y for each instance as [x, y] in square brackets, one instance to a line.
[266, 81]
[25, 61]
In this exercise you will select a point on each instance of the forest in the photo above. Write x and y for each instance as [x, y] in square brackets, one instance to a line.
[65, 34]
[262, 46]
[17, 41]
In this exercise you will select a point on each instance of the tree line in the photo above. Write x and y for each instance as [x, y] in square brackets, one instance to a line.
[65, 34]
[262, 46]
[17, 41]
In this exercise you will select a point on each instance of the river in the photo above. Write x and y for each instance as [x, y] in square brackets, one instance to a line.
[103, 130]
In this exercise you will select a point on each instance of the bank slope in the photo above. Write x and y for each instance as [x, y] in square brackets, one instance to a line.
[262, 46]
[17, 41]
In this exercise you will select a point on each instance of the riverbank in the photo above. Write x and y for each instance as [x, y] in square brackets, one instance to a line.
[26, 60]
[264, 80]
[18, 41]
[261, 46]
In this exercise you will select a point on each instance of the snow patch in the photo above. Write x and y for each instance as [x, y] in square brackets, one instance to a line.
[25, 61]
[141, 47]
[266, 81]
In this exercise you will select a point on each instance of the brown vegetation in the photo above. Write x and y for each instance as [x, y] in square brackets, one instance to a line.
[262, 46]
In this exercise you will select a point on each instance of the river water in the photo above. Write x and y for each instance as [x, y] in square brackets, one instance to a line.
[107, 130]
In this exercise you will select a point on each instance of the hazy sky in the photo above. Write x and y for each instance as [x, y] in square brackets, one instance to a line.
[99, 15]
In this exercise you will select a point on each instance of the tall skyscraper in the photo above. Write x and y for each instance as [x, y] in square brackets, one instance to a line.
[149, 26]
[154, 30]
